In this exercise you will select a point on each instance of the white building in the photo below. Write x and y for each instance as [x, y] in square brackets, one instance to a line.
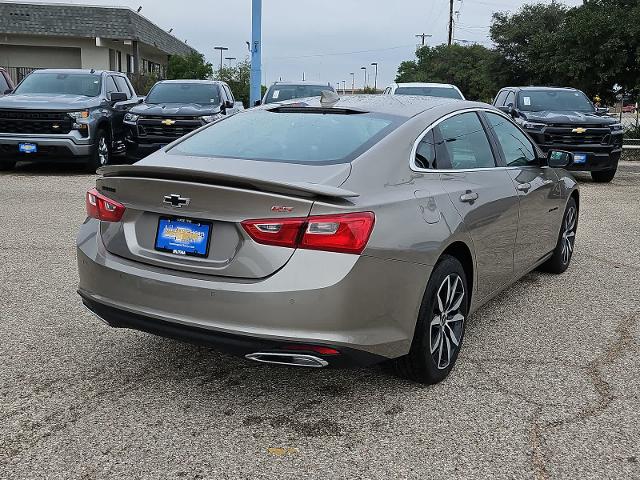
[39, 35]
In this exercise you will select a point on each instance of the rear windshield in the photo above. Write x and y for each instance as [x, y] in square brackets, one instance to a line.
[292, 137]
[444, 92]
[88, 85]
[200, 94]
[279, 93]
[555, 100]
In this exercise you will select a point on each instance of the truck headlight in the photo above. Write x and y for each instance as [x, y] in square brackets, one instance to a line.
[533, 126]
[131, 118]
[79, 115]
[211, 118]
[616, 127]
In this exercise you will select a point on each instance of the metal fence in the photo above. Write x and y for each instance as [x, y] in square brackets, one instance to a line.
[18, 73]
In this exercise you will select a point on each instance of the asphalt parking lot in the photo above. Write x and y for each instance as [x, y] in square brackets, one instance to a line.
[547, 384]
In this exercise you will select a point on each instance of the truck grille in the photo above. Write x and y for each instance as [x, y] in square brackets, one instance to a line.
[152, 127]
[37, 123]
[564, 134]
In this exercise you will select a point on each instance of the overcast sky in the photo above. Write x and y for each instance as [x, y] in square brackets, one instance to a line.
[325, 39]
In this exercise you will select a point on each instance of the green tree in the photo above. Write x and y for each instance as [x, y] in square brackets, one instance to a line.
[238, 78]
[192, 67]
[470, 67]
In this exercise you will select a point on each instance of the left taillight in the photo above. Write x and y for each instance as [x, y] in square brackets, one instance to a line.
[103, 208]
[342, 233]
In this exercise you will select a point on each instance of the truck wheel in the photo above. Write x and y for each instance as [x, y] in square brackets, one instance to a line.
[101, 154]
[6, 165]
[604, 176]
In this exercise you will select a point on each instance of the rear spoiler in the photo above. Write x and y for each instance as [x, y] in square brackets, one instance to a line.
[303, 189]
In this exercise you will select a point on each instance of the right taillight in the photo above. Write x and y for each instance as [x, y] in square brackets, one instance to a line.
[342, 233]
[103, 208]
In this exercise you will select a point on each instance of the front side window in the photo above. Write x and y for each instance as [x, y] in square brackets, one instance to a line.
[292, 137]
[4, 86]
[511, 99]
[518, 150]
[175, 92]
[466, 142]
[111, 86]
[499, 101]
[123, 86]
[88, 85]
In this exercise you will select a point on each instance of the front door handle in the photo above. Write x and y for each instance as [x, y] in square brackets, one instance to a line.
[469, 197]
[523, 187]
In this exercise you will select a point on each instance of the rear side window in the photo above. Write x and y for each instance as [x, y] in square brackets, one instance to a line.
[307, 138]
[426, 152]
[465, 142]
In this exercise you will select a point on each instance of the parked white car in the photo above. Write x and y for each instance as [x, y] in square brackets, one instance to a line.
[424, 89]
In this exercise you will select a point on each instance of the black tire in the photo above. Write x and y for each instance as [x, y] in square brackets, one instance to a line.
[6, 165]
[604, 176]
[424, 364]
[562, 254]
[99, 156]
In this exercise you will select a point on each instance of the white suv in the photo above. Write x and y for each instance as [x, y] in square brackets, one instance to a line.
[424, 89]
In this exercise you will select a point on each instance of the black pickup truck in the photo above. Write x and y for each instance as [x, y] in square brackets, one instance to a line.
[174, 108]
[565, 119]
[63, 115]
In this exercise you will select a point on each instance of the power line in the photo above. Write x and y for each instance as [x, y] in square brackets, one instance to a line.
[340, 53]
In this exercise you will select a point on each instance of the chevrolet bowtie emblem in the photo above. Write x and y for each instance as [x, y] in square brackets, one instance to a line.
[176, 201]
[168, 122]
[579, 130]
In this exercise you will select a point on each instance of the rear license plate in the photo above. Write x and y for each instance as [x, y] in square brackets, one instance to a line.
[27, 148]
[580, 158]
[182, 236]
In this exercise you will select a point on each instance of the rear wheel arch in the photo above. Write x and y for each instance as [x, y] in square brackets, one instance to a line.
[462, 253]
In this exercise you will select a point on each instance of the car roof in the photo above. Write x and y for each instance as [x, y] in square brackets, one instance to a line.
[203, 82]
[311, 84]
[532, 87]
[425, 84]
[75, 71]
[398, 105]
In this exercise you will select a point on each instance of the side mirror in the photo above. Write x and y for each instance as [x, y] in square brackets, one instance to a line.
[8, 91]
[509, 110]
[559, 158]
[116, 97]
[228, 104]
[257, 103]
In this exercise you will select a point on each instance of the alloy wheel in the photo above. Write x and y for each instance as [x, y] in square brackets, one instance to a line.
[568, 235]
[448, 321]
[103, 151]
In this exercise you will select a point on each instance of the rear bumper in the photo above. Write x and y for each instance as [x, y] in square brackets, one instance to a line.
[239, 345]
[348, 302]
[49, 147]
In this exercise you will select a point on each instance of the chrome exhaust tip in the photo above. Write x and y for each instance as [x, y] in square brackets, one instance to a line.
[293, 359]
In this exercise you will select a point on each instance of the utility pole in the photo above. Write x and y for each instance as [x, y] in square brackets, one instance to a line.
[375, 79]
[344, 87]
[364, 84]
[222, 50]
[450, 22]
[256, 51]
[423, 37]
[229, 59]
[353, 83]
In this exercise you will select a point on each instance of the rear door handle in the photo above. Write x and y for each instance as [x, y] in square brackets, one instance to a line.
[469, 197]
[523, 187]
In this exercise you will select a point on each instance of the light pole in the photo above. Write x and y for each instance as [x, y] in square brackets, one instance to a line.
[222, 50]
[353, 83]
[344, 87]
[375, 78]
[364, 85]
[229, 59]
[256, 51]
